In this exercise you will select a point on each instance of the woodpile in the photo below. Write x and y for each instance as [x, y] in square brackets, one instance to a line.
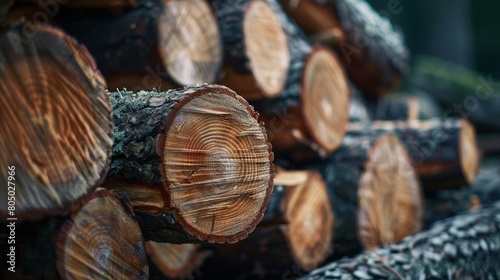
[121, 158]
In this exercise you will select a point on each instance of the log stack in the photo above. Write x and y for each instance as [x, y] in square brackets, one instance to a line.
[168, 164]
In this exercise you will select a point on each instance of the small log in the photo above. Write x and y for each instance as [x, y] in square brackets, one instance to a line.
[102, 240]
[398, 108]
[310, 114]
[374, 192]
[176, 261]
[177, 40]
[194, 162]
[371, 49]
[296, 230]
[358, 110]
[462, 247]
[255, 47]
[443, 151]
[56, 130]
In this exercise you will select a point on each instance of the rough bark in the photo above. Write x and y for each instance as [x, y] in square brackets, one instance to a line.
[373, 191]
[176, 40]
[102, 240]
[255, 47]
[444, 151]
[56, 130]
[201, 158]
[371, 49]
[310, 114]
[462, 247]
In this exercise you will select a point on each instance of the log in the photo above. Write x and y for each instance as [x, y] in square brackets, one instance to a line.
[255, 48]
[175, 261]
[177, 40]
[447, 203]
[102, 240]
[309, 116]
[56, 130]
[373, 191]
[370, 48]
[444, 151]
[194, 162]
[358, 110]
[296, 230]
[462, 247]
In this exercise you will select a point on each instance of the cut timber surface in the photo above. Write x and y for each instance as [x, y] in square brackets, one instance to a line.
[176, 40]
[444, 151]
[374, 192]
[176, 260]
[371, 49]
[296, 231]
[201, 158]
[102, 240]
[56, 128]
[255, 48]
[463, 247]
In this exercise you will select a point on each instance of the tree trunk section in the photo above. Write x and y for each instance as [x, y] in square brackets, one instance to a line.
[444, 152]
[56, 130]
[255, 47]
[102, 240]
[371, 49]
[296, 230]
[373, 191]
[176, 40]
[199, 156]
[462, 247]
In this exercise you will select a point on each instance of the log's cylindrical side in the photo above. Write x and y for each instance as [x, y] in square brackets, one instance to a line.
[56, 130]
[175, 261]
[255, 48]
[177, 41]
[463, 247]
[373, 191]
[102, 240]
[444, 152]
[204, 149]
[371, 49]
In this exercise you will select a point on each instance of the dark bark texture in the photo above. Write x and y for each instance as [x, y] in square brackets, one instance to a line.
[463, 247]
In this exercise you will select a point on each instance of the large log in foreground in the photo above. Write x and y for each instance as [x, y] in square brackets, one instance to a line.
[444, 152]
[311, 112]
[374, 192]
[371, 49]
[201, 160]
[255, 48]
[296, 230]
[102, 240]
[56, 128]
[173, 41]
[463, 247]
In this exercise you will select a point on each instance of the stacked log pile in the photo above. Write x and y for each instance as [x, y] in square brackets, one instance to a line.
[127, 161]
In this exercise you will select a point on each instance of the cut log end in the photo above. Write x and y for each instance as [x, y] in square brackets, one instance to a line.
[469, 154]
[219, 167]
[311, 218]
[325, 94]
[176, 260]
[102, 240]
[390, 203]
[190, 43]
[266, 47]
[56, 120]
